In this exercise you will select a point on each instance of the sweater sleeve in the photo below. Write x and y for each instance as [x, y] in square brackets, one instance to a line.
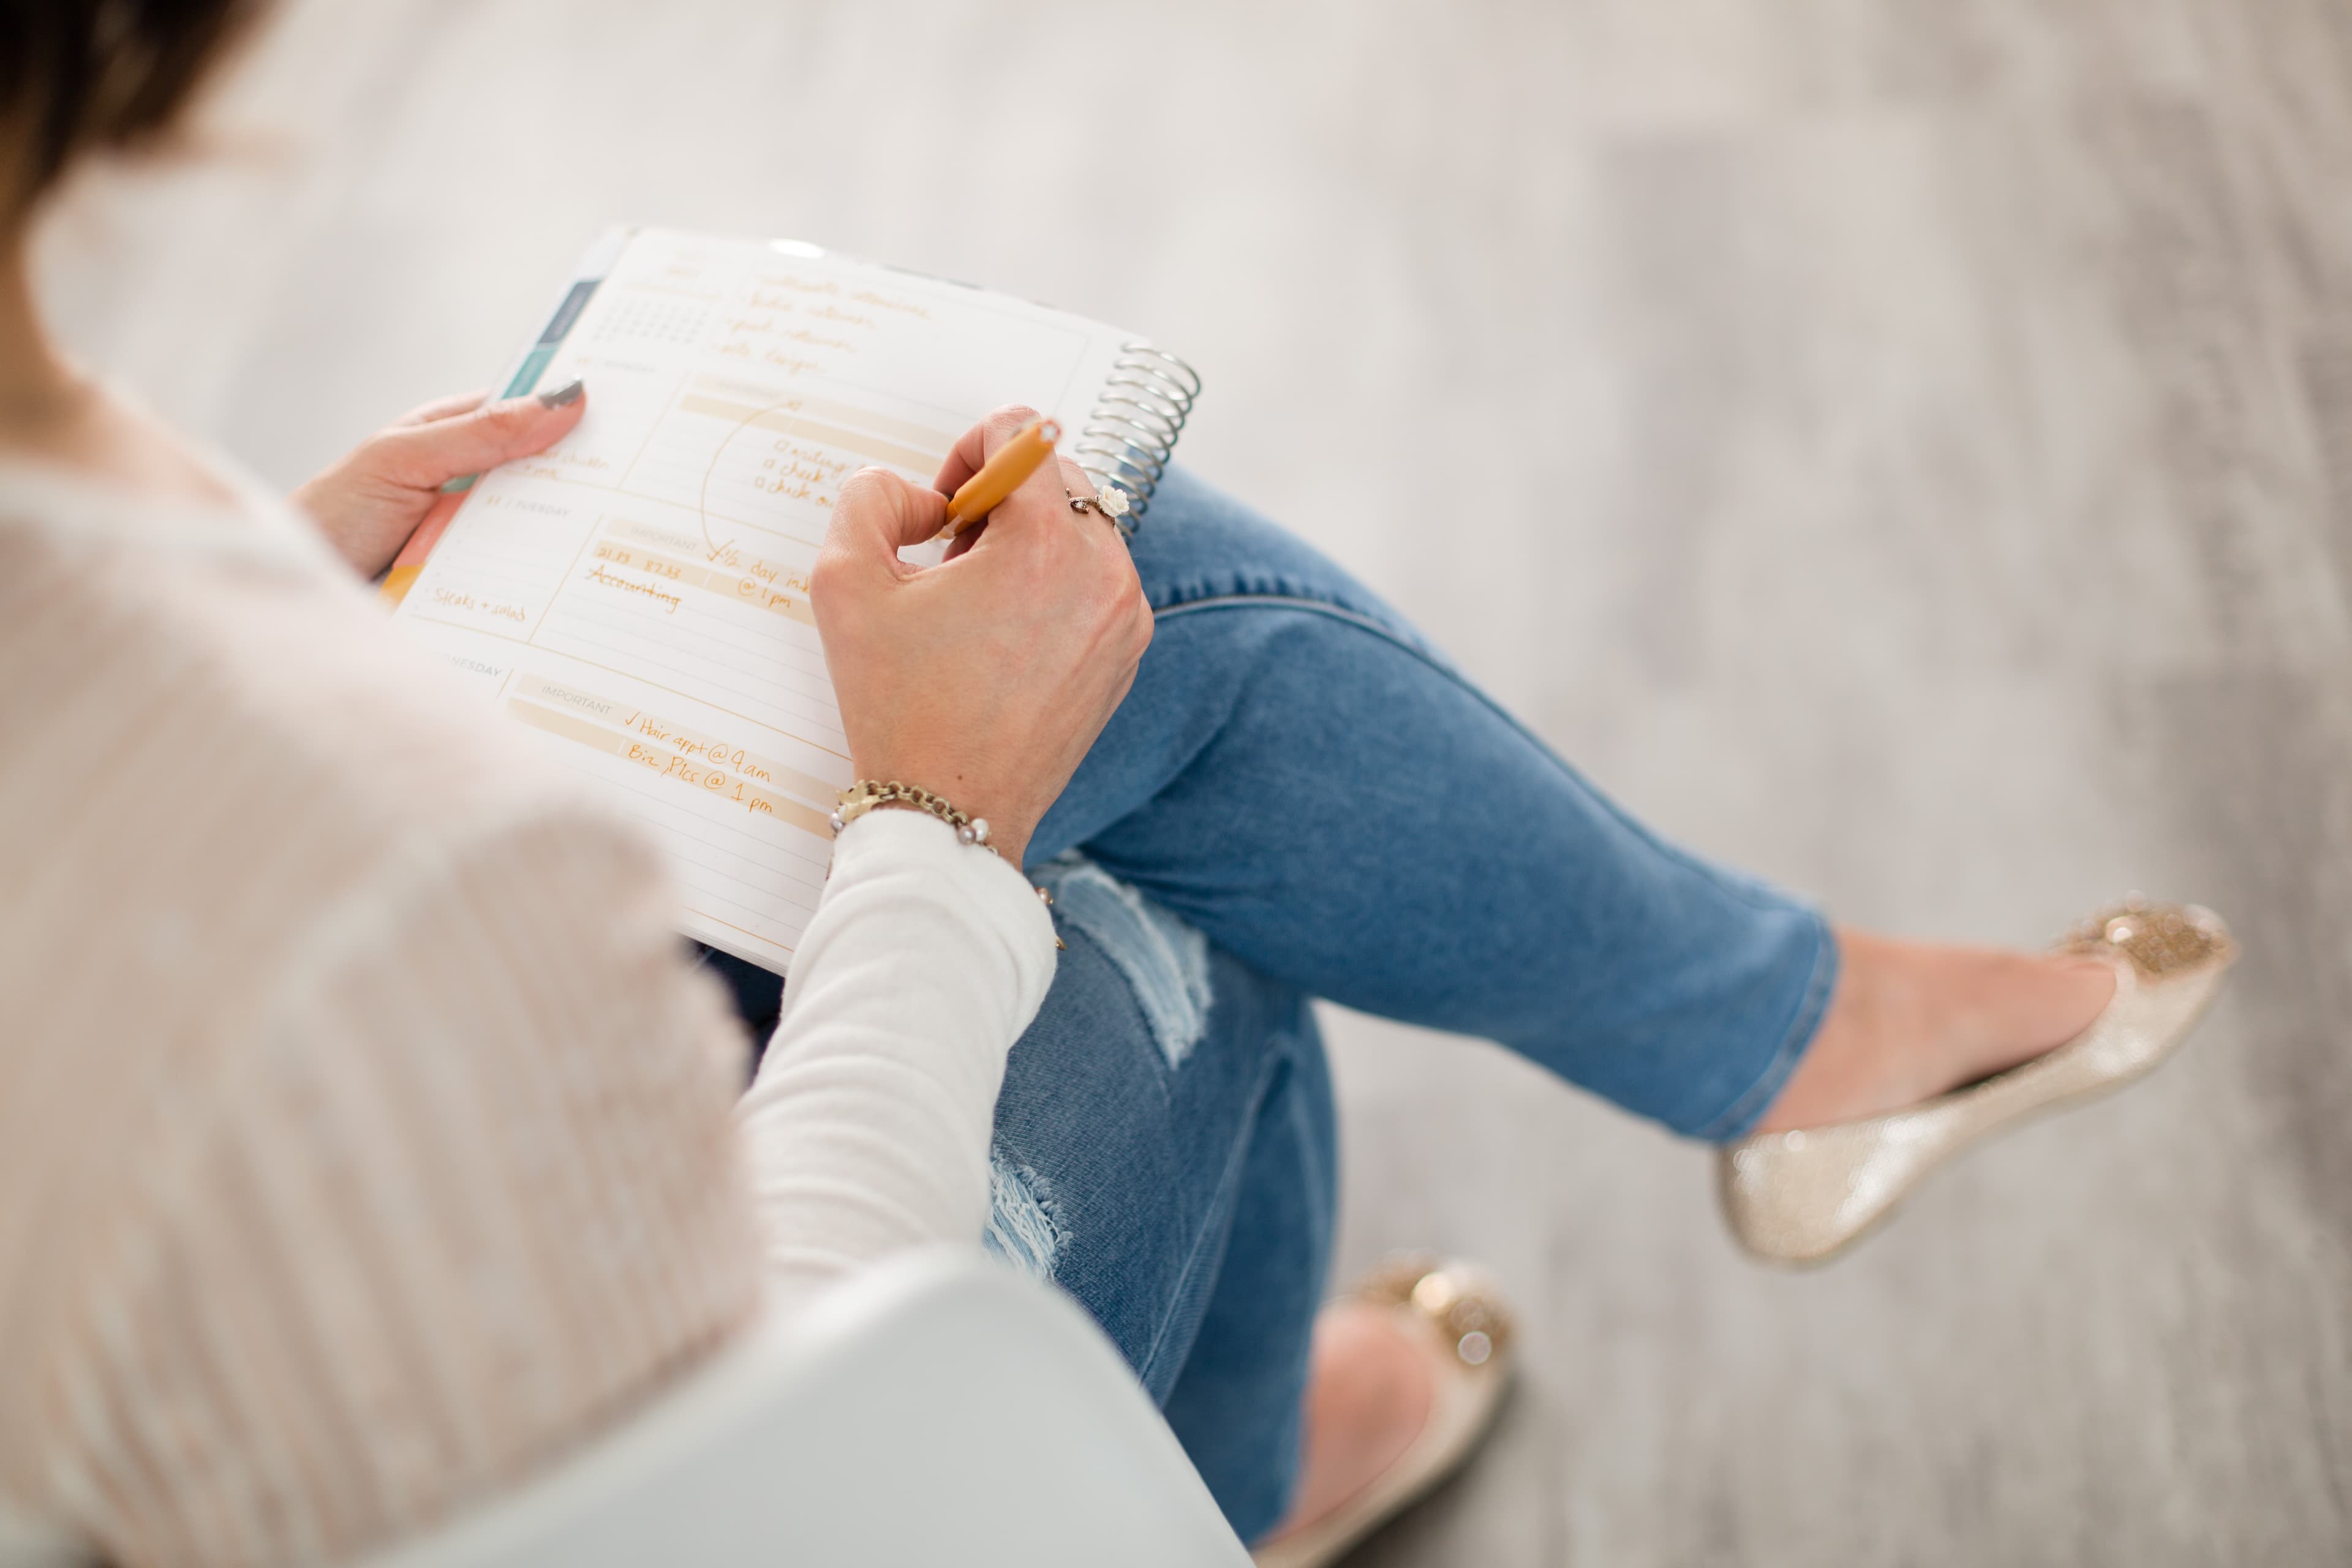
[466, 1191]
[867, 1130]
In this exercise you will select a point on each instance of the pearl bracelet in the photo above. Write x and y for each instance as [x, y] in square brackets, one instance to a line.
[866, 794]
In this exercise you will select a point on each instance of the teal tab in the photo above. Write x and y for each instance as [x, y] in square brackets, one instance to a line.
[534, 364]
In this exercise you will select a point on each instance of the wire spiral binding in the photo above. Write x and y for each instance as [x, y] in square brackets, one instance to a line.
[1131, 433]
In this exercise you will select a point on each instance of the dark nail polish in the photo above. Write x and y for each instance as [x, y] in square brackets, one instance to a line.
[563, 396]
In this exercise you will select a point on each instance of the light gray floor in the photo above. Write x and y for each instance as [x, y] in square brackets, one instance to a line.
[1902, 445]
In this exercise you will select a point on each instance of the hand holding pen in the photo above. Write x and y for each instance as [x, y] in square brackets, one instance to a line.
[986, 677]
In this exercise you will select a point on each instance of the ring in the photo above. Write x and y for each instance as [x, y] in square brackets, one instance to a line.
[1110, 503]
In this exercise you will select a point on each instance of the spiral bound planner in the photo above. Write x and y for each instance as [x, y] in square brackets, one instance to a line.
[637, 597]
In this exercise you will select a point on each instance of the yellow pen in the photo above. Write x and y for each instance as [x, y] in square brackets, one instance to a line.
[1006, 471]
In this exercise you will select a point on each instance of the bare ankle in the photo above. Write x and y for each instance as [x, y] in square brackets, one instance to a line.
[1368, 1396]
[1846, 1060]
[1909, 1021]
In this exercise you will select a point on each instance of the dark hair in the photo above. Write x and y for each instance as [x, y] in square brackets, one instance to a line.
[83, 76]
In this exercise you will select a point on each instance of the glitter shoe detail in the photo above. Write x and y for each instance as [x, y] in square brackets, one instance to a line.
[2155, 939]
[1463, 1310]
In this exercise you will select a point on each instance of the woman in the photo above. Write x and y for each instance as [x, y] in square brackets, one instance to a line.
[366, 1139]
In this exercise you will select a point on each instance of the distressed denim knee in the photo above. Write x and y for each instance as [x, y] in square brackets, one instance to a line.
[1165, 1151]
[1165, 965]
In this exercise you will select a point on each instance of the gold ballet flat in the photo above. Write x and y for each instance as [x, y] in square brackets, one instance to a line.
[1457, 1313]
[1803, 1196]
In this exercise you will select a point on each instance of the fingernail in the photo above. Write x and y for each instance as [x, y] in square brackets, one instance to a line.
[563, 396]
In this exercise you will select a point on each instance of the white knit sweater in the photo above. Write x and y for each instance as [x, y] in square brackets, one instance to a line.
[365, 1135]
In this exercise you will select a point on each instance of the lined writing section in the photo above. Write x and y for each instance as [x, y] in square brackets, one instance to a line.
[692, 653]
[730, 625]
[742, 454]
[740, 808]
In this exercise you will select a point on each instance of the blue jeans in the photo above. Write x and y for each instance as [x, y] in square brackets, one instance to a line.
[1301, 798]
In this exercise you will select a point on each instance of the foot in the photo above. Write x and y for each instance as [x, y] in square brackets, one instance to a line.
[1910, 1021]
[1370, 1388]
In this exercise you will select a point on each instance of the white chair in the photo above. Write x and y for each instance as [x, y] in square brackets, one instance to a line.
[939, 1410]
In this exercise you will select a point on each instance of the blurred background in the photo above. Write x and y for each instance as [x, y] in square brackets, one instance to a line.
[1903, 446]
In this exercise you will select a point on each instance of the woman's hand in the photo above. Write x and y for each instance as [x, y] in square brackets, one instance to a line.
[370, 503]
[986, 677]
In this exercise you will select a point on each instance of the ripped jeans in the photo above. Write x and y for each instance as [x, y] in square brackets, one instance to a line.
[1301, 798]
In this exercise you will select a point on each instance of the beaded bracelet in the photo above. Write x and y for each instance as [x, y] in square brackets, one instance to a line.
[866, 794]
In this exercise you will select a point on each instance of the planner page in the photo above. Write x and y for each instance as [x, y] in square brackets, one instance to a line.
[637, 597]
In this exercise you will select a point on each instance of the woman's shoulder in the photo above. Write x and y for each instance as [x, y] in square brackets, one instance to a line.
[279, 673]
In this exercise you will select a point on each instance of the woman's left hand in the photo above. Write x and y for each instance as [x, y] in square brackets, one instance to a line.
[370, 503]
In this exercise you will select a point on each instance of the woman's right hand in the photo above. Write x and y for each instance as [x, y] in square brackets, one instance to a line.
[986, 677]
